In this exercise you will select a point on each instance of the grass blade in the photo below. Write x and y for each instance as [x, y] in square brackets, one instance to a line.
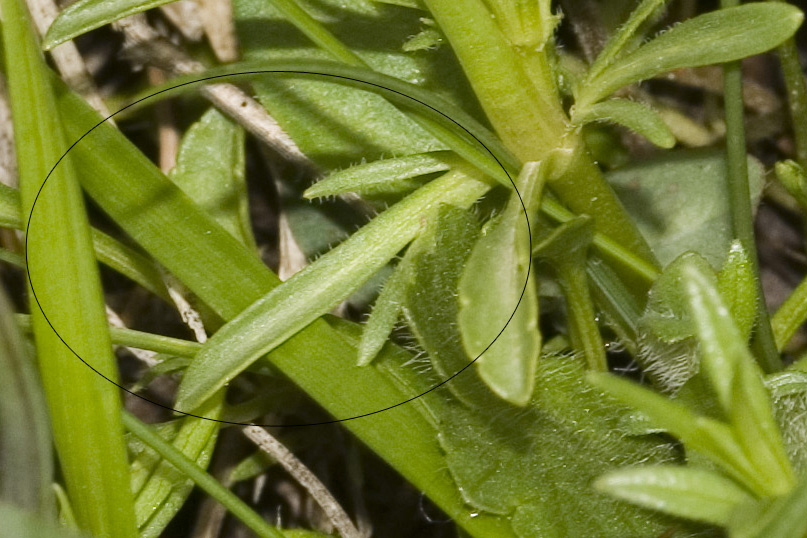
[84, 407]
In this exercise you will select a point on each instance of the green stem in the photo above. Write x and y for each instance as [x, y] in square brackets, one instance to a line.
[796, 96]
[740, 199]
[209, 484]
[136, 339]
[585, 334]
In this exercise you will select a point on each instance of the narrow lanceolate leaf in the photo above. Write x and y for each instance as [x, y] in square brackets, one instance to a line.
[84, 407]
[25, 443]
[736, 285]
[316, 289]
[625, 35]
[498, 305]
[210, 169]
[85, 15]
[706, 436]
[387, 176]
[385, 314]
[737, 381]
[633, 115]
[718, 37]
[686, 492]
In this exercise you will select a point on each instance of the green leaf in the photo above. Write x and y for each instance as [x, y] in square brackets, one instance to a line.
[109, 251]
[737, 287]
[25, 444]
[635, 116]
[252, 466]
[624, 38]
[789, 399]
[167, 488]
[737, 382]
[709, 438]
[431, 306]
[228, 278]
[680, 202]
[315, 290]
[210, 169]
[498, 305]
[85, 15]
[566, 248]
[668, 347]
[773, 518]
[538, 462]
[667, 315]
[182, 464]
[725, 35]
[336, 126]
[794, 178]
[84, 407]
[387, 176]
[687, 492]
[385, 314]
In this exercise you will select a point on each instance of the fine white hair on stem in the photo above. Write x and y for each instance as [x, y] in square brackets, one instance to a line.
[336, 514]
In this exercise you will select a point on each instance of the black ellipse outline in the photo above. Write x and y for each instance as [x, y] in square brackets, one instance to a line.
[289, 72]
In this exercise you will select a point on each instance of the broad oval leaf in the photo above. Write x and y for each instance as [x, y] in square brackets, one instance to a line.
[725, 35]
[494, 291]
[687, 492]
[680, 202]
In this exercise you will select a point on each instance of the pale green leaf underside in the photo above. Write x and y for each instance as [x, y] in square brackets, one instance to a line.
[687, 492]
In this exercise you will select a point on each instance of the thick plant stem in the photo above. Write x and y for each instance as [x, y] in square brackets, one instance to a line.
[528, 117]
[740, 198]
